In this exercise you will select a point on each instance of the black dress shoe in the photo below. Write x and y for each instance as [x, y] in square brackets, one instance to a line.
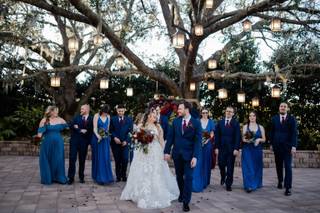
[279, 186]
[222, 181]
[228, 188]
[118, 180]
[82, 181]
[124, 179]
[70, 181]
[180, 199]
[249, 190]
[287, 192]
[185, 207]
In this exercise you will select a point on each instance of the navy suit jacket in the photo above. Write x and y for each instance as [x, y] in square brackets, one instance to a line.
[227, 139]
[283, 134]
[187, 143]
[88, 125]
[164, 125]
[121, 132]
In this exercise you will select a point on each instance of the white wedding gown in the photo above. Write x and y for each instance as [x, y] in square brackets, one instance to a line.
[150, 182]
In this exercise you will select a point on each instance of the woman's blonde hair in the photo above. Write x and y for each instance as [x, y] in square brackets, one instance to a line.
[48, 112]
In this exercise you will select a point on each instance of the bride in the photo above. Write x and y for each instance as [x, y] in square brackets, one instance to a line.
[150, 182]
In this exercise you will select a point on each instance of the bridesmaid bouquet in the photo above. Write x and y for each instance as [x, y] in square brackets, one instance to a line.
[205, 137]
[143, 138]
[249, 135]
[103, 134]
[36, 140]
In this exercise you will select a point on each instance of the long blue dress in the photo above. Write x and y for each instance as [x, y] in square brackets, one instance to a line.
[101, 161]
[51, 159]
[202, 171]
[252, 164]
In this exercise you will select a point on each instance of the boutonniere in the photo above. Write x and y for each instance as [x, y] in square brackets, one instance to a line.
[190, 125]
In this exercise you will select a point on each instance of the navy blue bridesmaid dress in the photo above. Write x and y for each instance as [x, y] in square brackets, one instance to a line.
[51, 159]
[101, 160]
[202, 171]
[252, 163]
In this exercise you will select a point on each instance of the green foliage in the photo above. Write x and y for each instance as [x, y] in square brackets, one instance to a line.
[22, 123]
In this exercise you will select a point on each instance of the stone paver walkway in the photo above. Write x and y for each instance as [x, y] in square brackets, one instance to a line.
[21, 192]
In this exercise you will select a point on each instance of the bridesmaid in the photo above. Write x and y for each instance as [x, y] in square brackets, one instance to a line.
[51, 157]
[100, 143]
[202, 172]
[252, 161]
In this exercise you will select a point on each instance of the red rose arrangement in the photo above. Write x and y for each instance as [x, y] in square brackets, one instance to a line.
[143, 138]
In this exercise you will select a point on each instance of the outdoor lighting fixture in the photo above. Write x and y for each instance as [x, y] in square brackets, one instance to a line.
[241, 97]
[178, 40]
[212, 63]
[222, 93]
[104, 83]
[97, 40]
[255, 101]
[192, 86]
[129, 91]
[275, 92]
[275, 25]
[198, 30]
[119, 61]
[55, 81]
[73, 44]
[211, 85]
[247, 25]
[209, 4]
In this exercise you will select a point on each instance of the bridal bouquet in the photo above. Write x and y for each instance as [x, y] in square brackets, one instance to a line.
[36, 140]
[103, 134]
[205, 136]
[249, 135]
[142, 138]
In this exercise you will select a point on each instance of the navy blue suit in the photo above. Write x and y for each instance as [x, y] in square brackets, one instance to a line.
[186, 145]
[79, 144]
[120, 153]
[164, 125]
[283, 137]
[227, 139]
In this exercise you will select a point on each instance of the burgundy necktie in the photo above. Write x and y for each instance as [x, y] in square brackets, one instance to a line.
[228, 124]
[121, 121]
[282, 120]
[84, 122]
[184, 125]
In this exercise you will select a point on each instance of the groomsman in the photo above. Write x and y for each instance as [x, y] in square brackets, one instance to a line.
[120, 127]
[227, 143]
[283, 139]
[185, 137]
[163, 121]
[82, 128]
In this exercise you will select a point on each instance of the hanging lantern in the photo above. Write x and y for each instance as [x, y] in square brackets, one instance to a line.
[129, 91]
[247, 25]
[275, 92]
[222, 93]
[241, 97]
[211, 85]
[255, 101]
[73, 44]
[55, 81]
[209, 4]
[192, 86]
[97, 40]
[212, 63]
[275, 25]
[119, 61]
[198, 30]
[178, 40]
[156, 96]
[104, 83]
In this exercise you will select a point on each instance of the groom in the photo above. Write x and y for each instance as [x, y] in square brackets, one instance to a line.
[185, 137]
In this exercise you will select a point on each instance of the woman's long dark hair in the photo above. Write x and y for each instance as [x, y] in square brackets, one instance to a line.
[255, 113]
[146, 114]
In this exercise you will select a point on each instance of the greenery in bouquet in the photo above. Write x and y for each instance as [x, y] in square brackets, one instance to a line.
[249, 136]
[103, 134]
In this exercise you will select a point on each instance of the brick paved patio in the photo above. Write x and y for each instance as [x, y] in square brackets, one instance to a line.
[21, 191]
